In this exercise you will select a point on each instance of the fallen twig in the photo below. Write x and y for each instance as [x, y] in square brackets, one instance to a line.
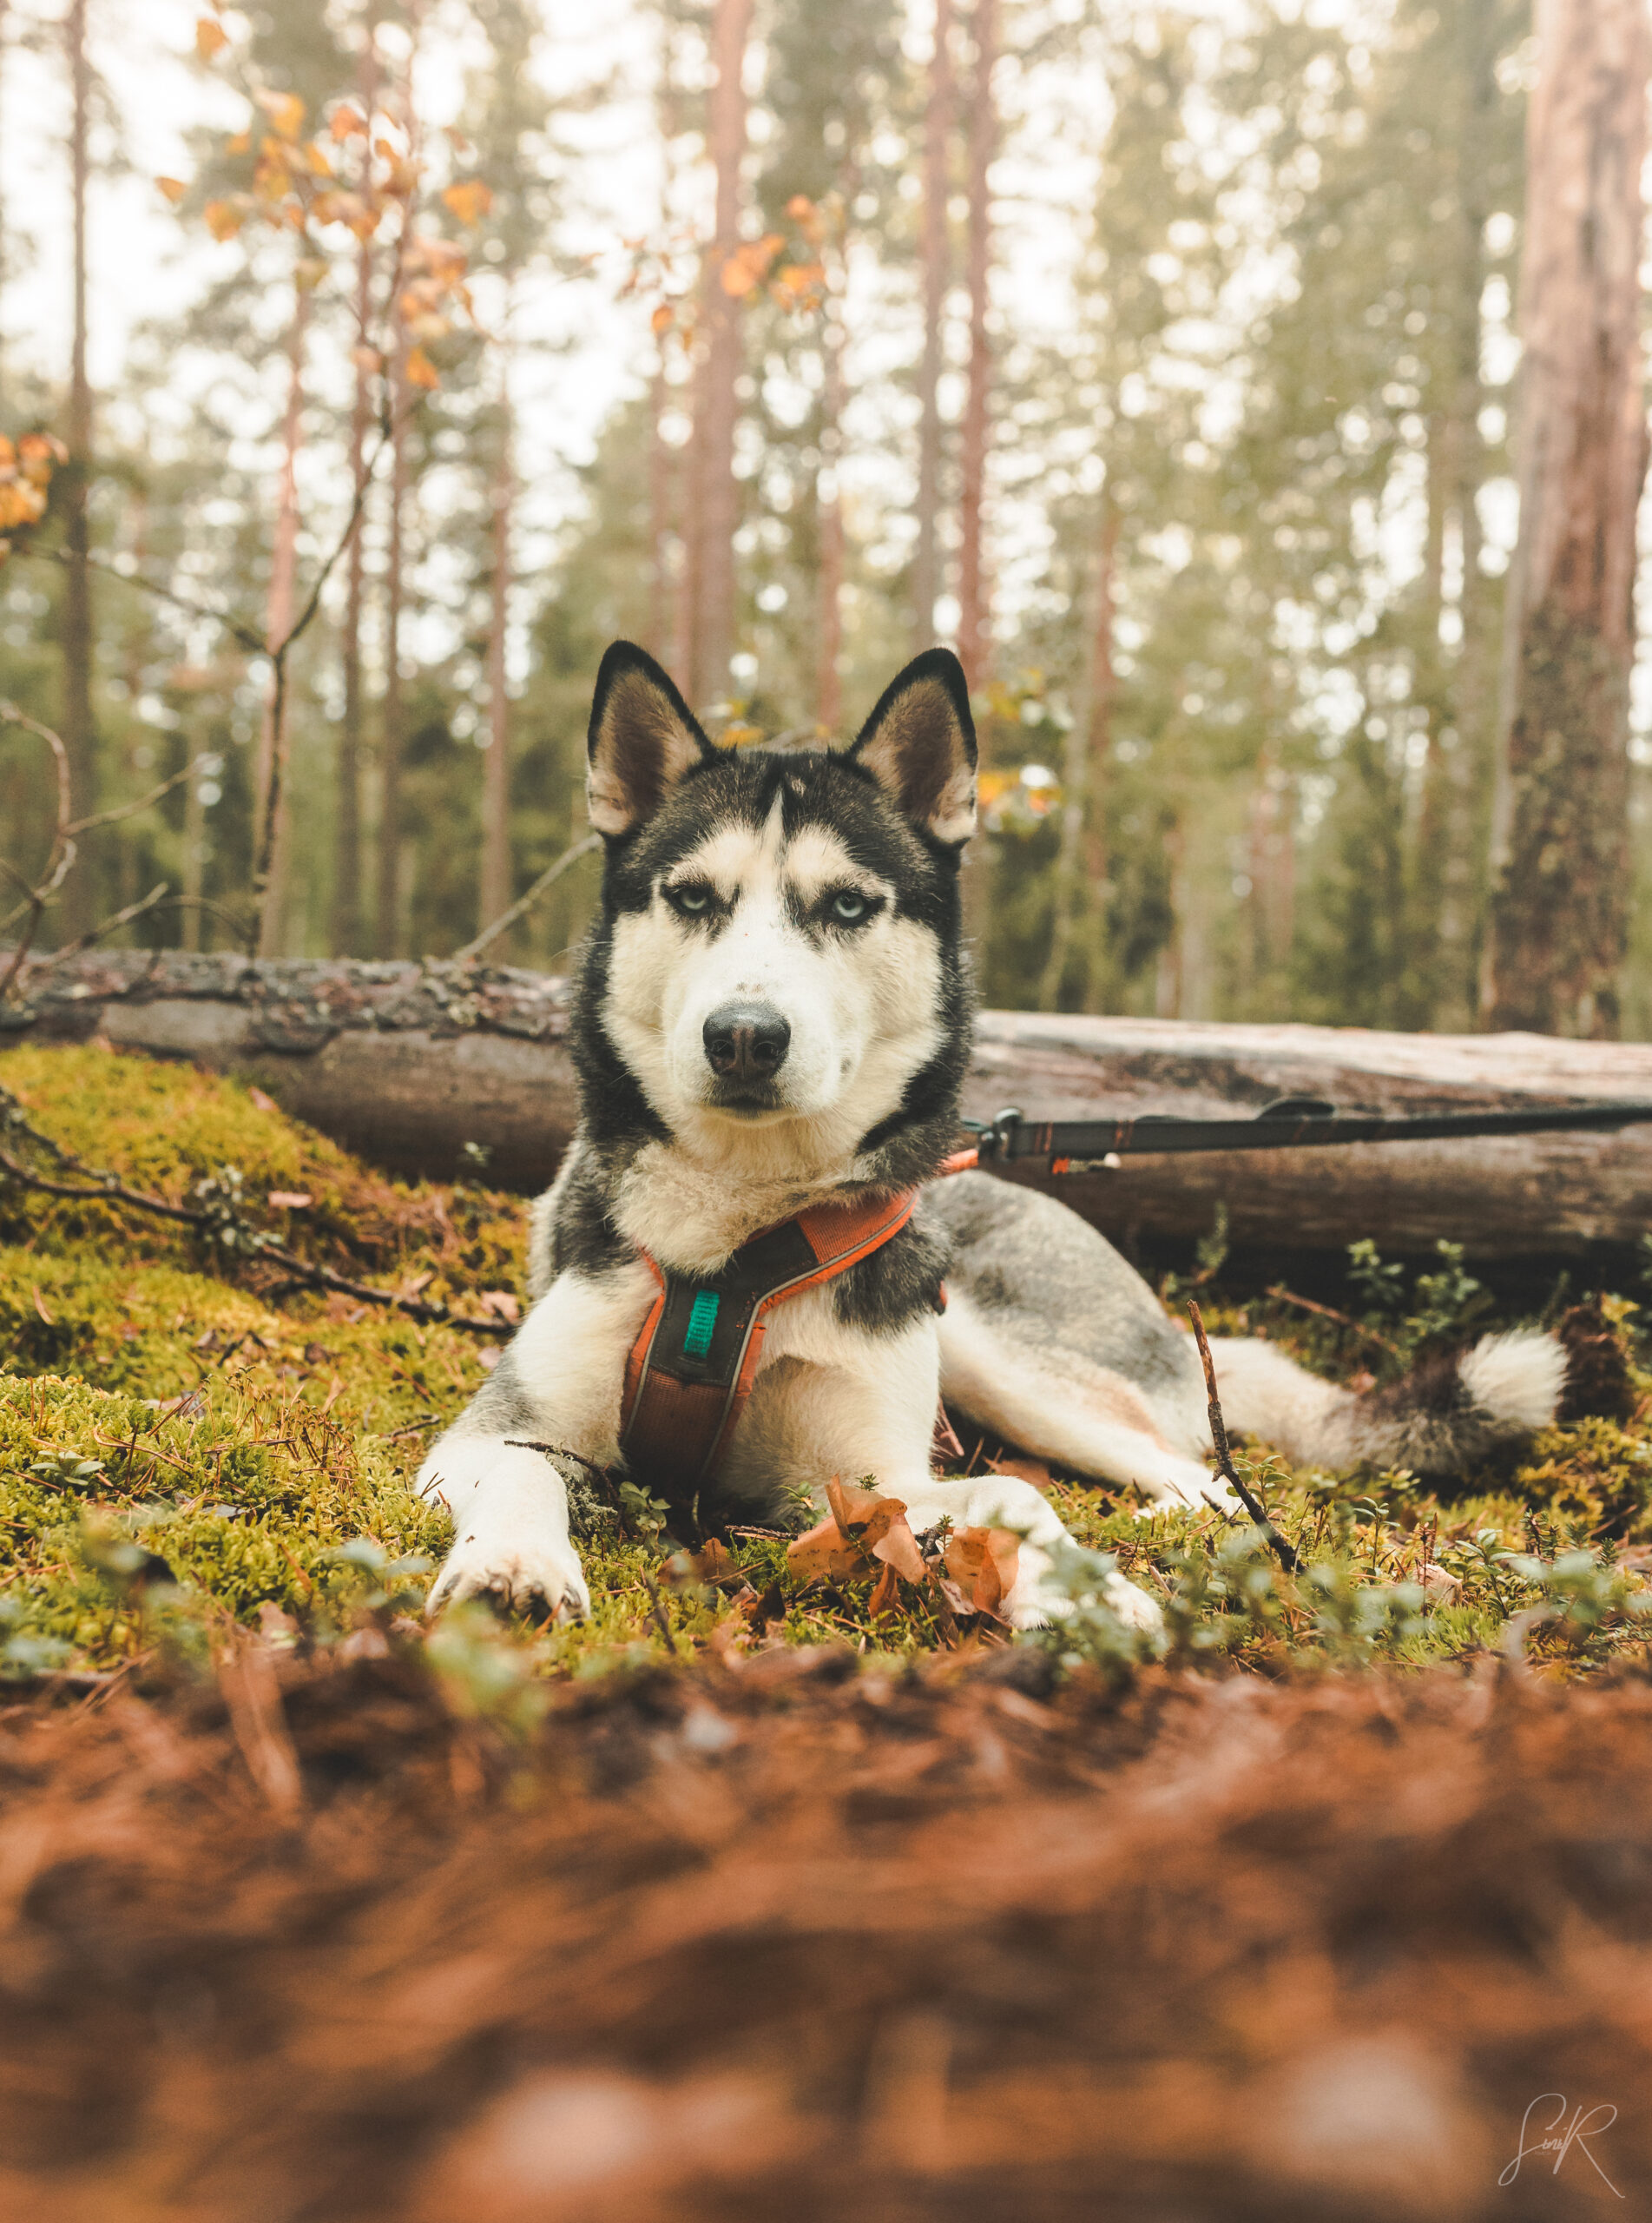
[1343, 1319]
[1225, 1467]
[108, 1188]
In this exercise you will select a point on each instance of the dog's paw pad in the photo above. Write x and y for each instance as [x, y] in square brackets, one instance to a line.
[546, 1586]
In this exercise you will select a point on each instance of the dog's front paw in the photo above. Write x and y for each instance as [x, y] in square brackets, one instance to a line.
[1039, 1600]
[543, 1580]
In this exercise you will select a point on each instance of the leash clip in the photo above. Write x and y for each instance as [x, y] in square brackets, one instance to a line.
[998, 1140]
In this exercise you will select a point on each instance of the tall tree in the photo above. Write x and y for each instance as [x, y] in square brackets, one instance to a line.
[79, 735]
[714, 510]
[1561, 855]
[1085, 766]
[972, 625]
[348, 924]
[934, 254]
[284, 559]
[496, 883]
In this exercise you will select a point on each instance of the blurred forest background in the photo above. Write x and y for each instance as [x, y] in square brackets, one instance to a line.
[1162, 357]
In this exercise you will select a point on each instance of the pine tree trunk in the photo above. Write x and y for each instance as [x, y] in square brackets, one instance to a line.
[496, 885]
[937, 128]
[828, 691]
[4, 271]
[972, 629]
[271, 787]
[1560, 851]
[348, 919]
[392, 712]
[715, 512]
[80, 895]
[1087, 739]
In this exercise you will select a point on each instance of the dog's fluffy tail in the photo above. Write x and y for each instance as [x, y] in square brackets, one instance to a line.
[1437, 1420]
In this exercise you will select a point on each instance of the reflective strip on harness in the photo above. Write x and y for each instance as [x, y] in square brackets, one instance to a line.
[691, 1368]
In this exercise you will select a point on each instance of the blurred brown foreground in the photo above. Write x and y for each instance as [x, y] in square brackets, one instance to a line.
[785, 1941]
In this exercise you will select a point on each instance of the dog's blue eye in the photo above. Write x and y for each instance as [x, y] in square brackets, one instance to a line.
[849, 907]
[694, 900]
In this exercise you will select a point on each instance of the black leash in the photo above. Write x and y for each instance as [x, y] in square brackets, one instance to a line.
[1291, 1123]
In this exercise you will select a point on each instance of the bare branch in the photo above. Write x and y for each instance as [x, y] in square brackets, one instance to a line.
[1225, 1467]
[108, 1188]
[525, 903]
[60, 858]
[131, 809]
[109, 927]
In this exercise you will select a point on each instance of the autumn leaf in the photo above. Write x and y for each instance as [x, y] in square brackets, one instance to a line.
[749, 264]
[223, 219]
[469, 200]
[284, 111]
[419, 371]
[983, 1563]
[825, 1551]
[347, 123]
[210, 37]
[239, 144]
[662, 319]
[174, 187]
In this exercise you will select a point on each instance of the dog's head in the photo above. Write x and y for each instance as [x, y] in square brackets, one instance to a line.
[778, 948]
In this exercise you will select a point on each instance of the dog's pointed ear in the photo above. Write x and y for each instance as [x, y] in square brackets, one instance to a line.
[643, 739]
[919, 744]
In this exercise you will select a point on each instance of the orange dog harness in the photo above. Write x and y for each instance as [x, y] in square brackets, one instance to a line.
[691, 1368]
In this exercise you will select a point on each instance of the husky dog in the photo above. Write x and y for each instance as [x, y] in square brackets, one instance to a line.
[771, 1027]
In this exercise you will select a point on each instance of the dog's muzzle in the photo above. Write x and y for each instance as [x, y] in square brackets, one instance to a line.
[746, 1046]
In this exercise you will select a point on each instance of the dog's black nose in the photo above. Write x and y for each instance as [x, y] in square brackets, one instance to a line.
[746, 1041]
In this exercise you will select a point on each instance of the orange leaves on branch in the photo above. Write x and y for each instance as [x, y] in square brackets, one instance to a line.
[284, 111]
[469, 200]
[419, 371]
[749, 264]
[798, 284]
[26, 470]
[224, 218]
[210, 37]
[174, 187]
[347, 122]
[663, 318]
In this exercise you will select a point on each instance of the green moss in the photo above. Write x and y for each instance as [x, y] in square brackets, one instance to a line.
[182, 1442]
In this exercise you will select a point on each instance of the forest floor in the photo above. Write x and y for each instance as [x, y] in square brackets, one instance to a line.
[784, 1885]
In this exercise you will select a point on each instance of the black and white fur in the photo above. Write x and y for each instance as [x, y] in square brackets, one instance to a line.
[772, 1011]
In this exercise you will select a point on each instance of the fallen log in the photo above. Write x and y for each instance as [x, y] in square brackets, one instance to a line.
[407, 1064]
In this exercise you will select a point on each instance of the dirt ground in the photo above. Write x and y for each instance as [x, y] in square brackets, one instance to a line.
[318, 1941]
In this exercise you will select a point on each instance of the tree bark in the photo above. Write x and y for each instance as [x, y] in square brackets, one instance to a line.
[80, 896]
[828, 692]
[348, 922]
[407, 1063]
[496, 885]
[936, 263]
[714, 513]
[973, 646]
[1086, 756]
[271, 779]
[393, 711]
[1560, 851]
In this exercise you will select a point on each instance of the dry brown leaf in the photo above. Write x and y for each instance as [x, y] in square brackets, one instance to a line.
[886, 1595]
[40, 1306]
[264, 1103]
[982, 1562]
[825, 1551]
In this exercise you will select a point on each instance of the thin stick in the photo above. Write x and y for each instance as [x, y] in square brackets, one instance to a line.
[60, 857]
[523, 903]
[108, 1188]
[1343, 1319]
[1253, 1505]
[109, 925]
[131, 809]
[658, 1612]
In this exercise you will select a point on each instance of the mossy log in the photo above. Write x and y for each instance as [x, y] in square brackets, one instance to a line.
[406, 1064]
